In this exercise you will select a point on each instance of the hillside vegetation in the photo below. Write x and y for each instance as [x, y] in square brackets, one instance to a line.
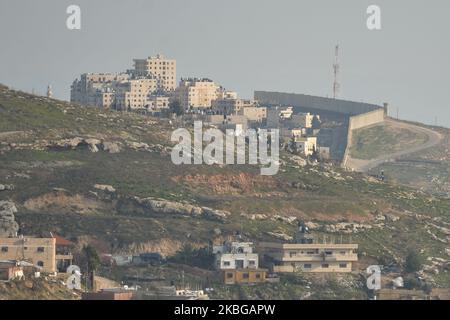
[105, 177]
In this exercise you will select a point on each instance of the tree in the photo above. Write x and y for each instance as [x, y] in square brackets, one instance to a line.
[316, 122]
[411, 282]
[188, 255]
[413, 262]
[91, 258]
[176, 107]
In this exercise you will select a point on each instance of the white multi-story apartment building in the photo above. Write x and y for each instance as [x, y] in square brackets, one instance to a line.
[96, 89]
[307, 255]
[159, 67]
[195, 93]
[126, 90]
[135, 93]
[235, 255]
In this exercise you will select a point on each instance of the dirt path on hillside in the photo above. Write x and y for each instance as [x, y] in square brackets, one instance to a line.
[434, 138]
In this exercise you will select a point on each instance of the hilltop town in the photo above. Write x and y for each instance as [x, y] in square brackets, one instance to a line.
[91, 183]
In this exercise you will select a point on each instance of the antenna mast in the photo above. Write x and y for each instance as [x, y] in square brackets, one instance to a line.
[336, 85]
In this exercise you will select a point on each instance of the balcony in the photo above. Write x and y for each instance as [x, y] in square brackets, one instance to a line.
[319, 258]
[64, 256]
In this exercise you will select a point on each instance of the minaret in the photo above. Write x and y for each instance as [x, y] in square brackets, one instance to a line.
[49, 92]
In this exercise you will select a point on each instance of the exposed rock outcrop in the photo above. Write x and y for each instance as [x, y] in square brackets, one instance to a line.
[5, 187]
[172, 207]
[105, 187]
[280, 235]
[93, 144]
[111, 147]
[8, 224]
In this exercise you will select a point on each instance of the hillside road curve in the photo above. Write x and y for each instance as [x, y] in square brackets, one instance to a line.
[434, 138]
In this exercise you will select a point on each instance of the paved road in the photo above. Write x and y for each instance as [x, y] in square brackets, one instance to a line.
[434, 138]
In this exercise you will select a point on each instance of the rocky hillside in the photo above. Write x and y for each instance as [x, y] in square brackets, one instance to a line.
[8, 224]
[105, 177]
[37, 289]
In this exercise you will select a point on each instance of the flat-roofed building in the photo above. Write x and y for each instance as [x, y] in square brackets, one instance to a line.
[10, 270]
[49, 254]
[235, 255]
[123, 90]
[195, 93]
[308, 256]
[306, 145]
[253, 113]
[40, 251]
[135, 93]
[244, 276]
[231, 105]
[96, 89]
[158, 102]
[163, 69]
[226, 94]
[315, 257]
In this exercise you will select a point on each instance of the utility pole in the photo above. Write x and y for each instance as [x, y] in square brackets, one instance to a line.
[336, 67]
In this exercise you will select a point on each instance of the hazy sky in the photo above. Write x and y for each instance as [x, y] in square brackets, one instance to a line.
[244, 45]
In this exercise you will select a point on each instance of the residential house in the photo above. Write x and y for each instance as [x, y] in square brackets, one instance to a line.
[306, 255]
[42, 252]
[235, 255]
[306, 145]
[238, 263]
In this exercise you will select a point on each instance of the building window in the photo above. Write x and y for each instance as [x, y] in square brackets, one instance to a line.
[342, 265]
[252, 263]
[258, 276]
[226, 263]
[325, 265]
[328, 253]
[292, 254]
[307, 266]
[342, 253]
[40, 263]
[245, 275]
[40, 249]
[4, 249]
[229, 275]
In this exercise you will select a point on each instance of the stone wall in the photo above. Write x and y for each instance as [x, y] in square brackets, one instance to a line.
[320, 103]
[360, 114]
[358, 122]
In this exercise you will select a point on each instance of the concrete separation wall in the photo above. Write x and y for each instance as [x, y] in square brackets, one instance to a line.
[320, 103]
[360, 114]
[358, 122]
[366, 119]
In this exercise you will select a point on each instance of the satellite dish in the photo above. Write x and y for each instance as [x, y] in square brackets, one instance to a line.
[398, 282]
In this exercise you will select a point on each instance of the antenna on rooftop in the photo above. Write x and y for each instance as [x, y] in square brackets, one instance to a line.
[336, 66]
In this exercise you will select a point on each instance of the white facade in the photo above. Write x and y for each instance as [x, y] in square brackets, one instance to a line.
[236, 255]
[159, 67]
[306, 145]
[196, 93]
